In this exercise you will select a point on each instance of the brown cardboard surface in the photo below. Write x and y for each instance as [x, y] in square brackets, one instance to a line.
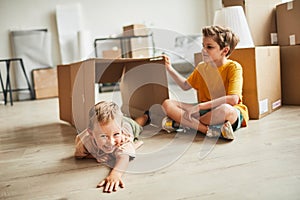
[260, 16]
[288, 24]
[227, 3]
[83, 94]
[112, 54]
[290, 74]
[66, 75]
[136, 47]
[135, 30]
[262, 83]
[139, 47]
[143, 89]
[45, 83]
[43, 93]
[197, 58]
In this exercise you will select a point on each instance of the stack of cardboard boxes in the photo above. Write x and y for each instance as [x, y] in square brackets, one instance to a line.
[288, 28]
[261, 18]
[138, 43]
[135, 42]
[261, 64]
[270, 68]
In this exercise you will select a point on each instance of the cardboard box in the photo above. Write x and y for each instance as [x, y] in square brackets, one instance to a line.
[290, 74]
[258, 11]
[112, 53]
[135, 30]
[138, 47]
[143, 83]
[262, 84]
[288, 26]
[76, 84]
[228, 3]
[45, 83]
[197, 58]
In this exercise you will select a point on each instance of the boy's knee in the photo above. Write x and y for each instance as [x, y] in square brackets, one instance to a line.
[230, 112]
[166, 104]
[226, 107]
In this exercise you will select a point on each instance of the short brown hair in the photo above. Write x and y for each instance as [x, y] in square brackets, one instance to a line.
[104, 112]
[222, 36]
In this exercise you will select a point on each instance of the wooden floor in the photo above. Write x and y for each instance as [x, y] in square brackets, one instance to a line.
[36, 160]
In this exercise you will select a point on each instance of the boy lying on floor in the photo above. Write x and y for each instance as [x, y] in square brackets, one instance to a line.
[110, 139]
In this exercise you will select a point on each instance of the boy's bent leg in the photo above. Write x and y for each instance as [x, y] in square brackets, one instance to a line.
[220, 114]
[175, 110]
[144, 119]
[221, 120]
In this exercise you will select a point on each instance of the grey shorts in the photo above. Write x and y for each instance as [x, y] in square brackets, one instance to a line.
[136, 128]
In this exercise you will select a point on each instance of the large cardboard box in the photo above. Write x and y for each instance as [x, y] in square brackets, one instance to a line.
[45, 83]
[262, 84]
[288, 24]
[261, 18]
[143, 83]
[290, 74]
[261, 74]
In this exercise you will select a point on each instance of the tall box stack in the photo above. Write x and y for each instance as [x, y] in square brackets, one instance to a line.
[138, 46]
[288, 27]
[261, 19]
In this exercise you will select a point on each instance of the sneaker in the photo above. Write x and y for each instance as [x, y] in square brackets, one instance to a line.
[170, 125]
[225, 131]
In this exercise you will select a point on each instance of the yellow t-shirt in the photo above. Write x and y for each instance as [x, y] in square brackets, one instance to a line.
[214, 82]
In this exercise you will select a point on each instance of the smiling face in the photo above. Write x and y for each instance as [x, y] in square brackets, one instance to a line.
[108, 136]
[212, 53]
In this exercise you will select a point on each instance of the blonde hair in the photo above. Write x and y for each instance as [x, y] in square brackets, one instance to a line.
[104, 112]
[224, 37]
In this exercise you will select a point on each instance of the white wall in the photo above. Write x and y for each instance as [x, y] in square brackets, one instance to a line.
[101, 17]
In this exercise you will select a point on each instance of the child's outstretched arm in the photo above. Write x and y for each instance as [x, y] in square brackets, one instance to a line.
[179, 79]
[114, 179]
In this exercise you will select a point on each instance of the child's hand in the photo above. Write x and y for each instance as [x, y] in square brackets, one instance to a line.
[168, 62]
[192, 112]
[111, 183]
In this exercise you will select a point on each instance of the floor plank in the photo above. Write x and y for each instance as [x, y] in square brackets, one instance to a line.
[36, 160]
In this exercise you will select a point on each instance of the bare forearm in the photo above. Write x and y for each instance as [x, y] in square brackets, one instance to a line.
[121, 165]
[178, 78]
